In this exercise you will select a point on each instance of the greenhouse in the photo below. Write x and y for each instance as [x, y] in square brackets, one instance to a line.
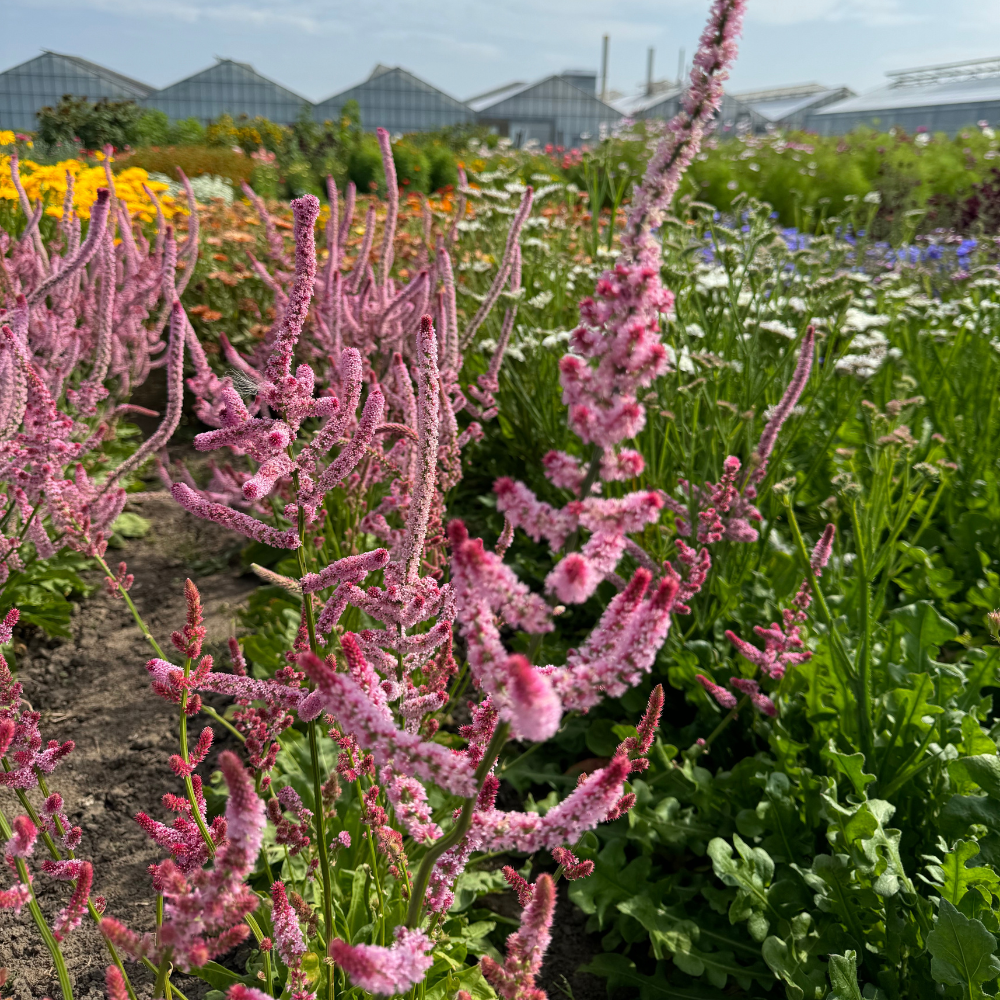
[394, 99]
[561, 110]
[665, 102]
[42, 81]
[944, 98]
[789, 107]
[228, 88]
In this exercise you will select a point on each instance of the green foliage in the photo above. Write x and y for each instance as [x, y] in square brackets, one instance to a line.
[413, 168]
[91, 124]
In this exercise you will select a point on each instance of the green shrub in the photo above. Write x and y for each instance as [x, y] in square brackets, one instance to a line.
[413, 168]
[92, 124]
[365, 165]
[266, 180]
[444, 168]
[300, 179]
[153, 128]
[187, 132]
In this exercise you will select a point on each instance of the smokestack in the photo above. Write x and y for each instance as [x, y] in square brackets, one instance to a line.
[604, 69]
[649, 72]
[680, 67]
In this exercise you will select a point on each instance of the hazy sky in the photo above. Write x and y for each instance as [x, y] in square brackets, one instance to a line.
[319, 47]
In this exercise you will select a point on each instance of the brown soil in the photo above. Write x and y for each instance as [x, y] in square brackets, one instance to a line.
[94, 690]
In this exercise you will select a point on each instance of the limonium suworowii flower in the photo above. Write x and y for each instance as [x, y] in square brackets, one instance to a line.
[288, 939]
[717, 51]
[485, 587]
[344, 699]
[385, 971]
[784, 408]
[204, 910]
[526, 947]
[71, 914]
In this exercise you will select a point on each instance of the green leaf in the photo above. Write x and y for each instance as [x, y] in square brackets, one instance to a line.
[751, 873]
[621, 973]
[469, 979]
[673, 936]
[839, 891]
[802, 975]
[957, 876]
[962, 952]
[908, 707]
[983, 769]
[924, 632]
[471, 885]
[975, 740]
[843, 972]
[217, 976]
[611, 882]
[852, 766]
[880, 850]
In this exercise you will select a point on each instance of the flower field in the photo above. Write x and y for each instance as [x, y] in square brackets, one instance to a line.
[550, 586]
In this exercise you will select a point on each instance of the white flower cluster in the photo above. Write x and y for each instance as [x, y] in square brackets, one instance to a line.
[206, 187]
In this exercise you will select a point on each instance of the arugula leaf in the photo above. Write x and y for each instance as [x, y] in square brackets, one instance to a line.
[954, 877]
[843, 971]
[611, 882]
[963, 952]
[852, 766]
[673, 936]
[751, 874]
[621, 973]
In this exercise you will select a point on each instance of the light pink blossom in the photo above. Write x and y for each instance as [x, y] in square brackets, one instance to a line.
[385, 971]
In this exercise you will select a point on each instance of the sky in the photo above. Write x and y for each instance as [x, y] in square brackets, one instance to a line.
[319, 47]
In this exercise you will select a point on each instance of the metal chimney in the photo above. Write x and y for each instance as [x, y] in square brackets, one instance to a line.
[604, 69]
[649, 72]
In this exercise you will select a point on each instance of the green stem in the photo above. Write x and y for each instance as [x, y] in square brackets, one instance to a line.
[188, 783]
[57, 856]
[212, 714]
[36, 914]
[460, 829]
[135, 611]
[160, 986]
[319, 816]
[864, 654]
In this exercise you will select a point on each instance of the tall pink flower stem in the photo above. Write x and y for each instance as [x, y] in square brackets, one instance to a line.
[716, 52]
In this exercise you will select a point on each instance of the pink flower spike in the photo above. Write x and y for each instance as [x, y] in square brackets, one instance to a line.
[279, 365]
[573, 868]
[791, 396]
[82, 873]
[573, 579]
[7, 626]
[343, 697]
[526, 947]
[351, 568]
[287, 933]
[114, 984]
[23, 842]
[384, 971]
[520, 885]
[752, 690]
[534, 703]
[725, 698]
[234, 519]
[821, 553]
[428, 425]
[240, 992]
